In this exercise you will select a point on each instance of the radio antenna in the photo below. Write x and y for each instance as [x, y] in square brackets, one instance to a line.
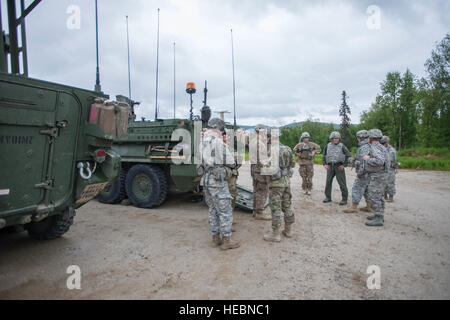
[98, 87]
[174, 80]
[234, 81]
[157, 71]
[129, 74]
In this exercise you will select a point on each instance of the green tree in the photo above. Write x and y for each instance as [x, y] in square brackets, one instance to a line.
[344, 112]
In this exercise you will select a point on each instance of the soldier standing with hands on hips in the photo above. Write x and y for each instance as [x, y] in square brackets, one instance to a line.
[306, 150]
[335, 159]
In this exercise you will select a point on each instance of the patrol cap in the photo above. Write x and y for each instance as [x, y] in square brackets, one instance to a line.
[375, 134]
[216, 123]
[335, 135]
[362, 134]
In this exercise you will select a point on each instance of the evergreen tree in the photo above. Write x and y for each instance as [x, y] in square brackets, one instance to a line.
[344, 112]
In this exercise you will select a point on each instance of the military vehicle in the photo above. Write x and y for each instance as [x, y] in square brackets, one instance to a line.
[151, 156]
[150, 151]
[55, 142]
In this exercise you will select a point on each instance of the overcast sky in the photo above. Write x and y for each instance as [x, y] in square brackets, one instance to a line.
[293, 58]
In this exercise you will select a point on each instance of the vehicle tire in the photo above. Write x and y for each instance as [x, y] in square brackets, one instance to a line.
[146, 186]
[52, 227]
[115, 192]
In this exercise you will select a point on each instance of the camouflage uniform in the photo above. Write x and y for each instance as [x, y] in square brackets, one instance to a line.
[336, 155]
[375, 168]
[214, 181]
[306, 162]
[362, 181]
[390, 183]
[260, 182]
[280, 189]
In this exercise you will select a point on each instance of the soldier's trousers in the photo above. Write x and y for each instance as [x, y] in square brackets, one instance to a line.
[359, 189]
[307, 174]
[233, 190]
[390, 183]
[220, 212]
[341, 179]
[260, 193]
[280, 202]
[375, 192]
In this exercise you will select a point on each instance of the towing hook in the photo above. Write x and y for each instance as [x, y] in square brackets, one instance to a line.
[85, 170]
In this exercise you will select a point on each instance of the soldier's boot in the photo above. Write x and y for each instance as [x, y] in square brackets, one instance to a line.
[227, 243]
[377, 221]
[352, 209]
[390, 199]
[366, 208]
[343, 202]
[273, 236]
[371, 217]
[287, 232]
[259, 215]
[216, 240]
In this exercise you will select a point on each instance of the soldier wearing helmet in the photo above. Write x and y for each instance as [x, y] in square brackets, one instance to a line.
[259, 154]
[335, 159]
[361, 182]
[216, 168]
[306, 150]
[376, 164]
[390, 183]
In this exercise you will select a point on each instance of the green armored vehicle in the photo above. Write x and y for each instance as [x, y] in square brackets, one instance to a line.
[55, 143]
[157, 157]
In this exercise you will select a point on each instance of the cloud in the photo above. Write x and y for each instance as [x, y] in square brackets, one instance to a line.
[293, 58]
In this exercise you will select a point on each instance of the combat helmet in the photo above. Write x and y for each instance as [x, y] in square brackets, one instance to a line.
[259, 127]
[385, 140]
[363, 134]
[216, 123]
[375, 134]
[305, 135]
[335, 135]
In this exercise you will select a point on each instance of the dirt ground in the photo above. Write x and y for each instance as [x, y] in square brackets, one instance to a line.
[165, 253]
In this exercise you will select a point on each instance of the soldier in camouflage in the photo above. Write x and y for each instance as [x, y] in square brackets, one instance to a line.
[394, 165]
[306, 151]
[335, 159]
[215, 169]
[280, 192]
[260, 182]
[362, 180]
[232, 182]
[376, 165]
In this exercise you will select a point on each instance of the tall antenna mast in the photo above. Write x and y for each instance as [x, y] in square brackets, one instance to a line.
[98, 87]
[157, 71]
[174, 80]
[234, 81]
[129, 74]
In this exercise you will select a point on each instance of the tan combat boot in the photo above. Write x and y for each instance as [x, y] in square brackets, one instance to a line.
[367, 208]
[273, 236]
[259, 215]
[216, 240]
[227, 243]
[352, 209]
[287, 232]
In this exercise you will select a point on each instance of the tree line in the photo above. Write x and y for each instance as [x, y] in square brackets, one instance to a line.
[412, 111]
